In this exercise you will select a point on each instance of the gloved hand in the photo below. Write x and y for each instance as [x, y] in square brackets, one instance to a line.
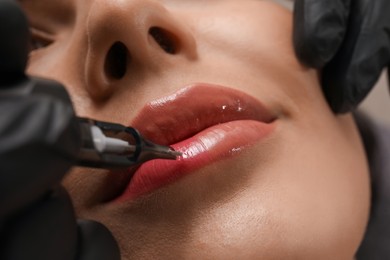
[349, 40]
[39, 138]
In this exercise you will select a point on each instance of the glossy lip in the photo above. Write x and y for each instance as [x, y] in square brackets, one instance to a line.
[207, 123]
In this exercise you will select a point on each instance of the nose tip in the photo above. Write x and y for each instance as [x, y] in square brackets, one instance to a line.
[125, 37]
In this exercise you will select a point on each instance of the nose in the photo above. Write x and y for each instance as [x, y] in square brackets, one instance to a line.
[130, 37]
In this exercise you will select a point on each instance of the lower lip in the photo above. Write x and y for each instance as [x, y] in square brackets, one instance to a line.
[216, 143]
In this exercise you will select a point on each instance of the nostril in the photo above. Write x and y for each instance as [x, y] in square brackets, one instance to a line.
[167, 41]
[116, 61]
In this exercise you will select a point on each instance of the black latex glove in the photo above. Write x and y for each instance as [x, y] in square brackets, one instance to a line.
[39, 138]
[349, 40]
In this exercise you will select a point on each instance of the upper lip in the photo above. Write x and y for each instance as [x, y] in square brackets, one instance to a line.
[192, 109]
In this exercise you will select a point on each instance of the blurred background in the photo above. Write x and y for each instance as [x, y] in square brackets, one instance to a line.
[377, 104]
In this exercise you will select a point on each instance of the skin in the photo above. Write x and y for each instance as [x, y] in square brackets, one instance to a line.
[303, 193]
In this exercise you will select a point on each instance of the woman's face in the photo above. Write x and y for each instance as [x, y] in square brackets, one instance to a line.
[267, 172]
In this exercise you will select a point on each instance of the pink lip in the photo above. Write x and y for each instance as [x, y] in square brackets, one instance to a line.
[207, 123]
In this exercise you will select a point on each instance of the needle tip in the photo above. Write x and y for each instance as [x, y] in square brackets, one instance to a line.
[175, 153]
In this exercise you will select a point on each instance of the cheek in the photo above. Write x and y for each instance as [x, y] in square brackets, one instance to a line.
[84, 187]
[259, 32]
[318, 189]
[259, 49]
[75, 183]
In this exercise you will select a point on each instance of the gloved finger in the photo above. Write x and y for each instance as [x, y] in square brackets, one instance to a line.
[319, 29]
[29, 130]
[47, 230]
[350, 76]
[14, 49]
[96, 242]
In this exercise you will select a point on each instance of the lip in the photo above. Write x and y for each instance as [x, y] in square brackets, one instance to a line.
[207, 123]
